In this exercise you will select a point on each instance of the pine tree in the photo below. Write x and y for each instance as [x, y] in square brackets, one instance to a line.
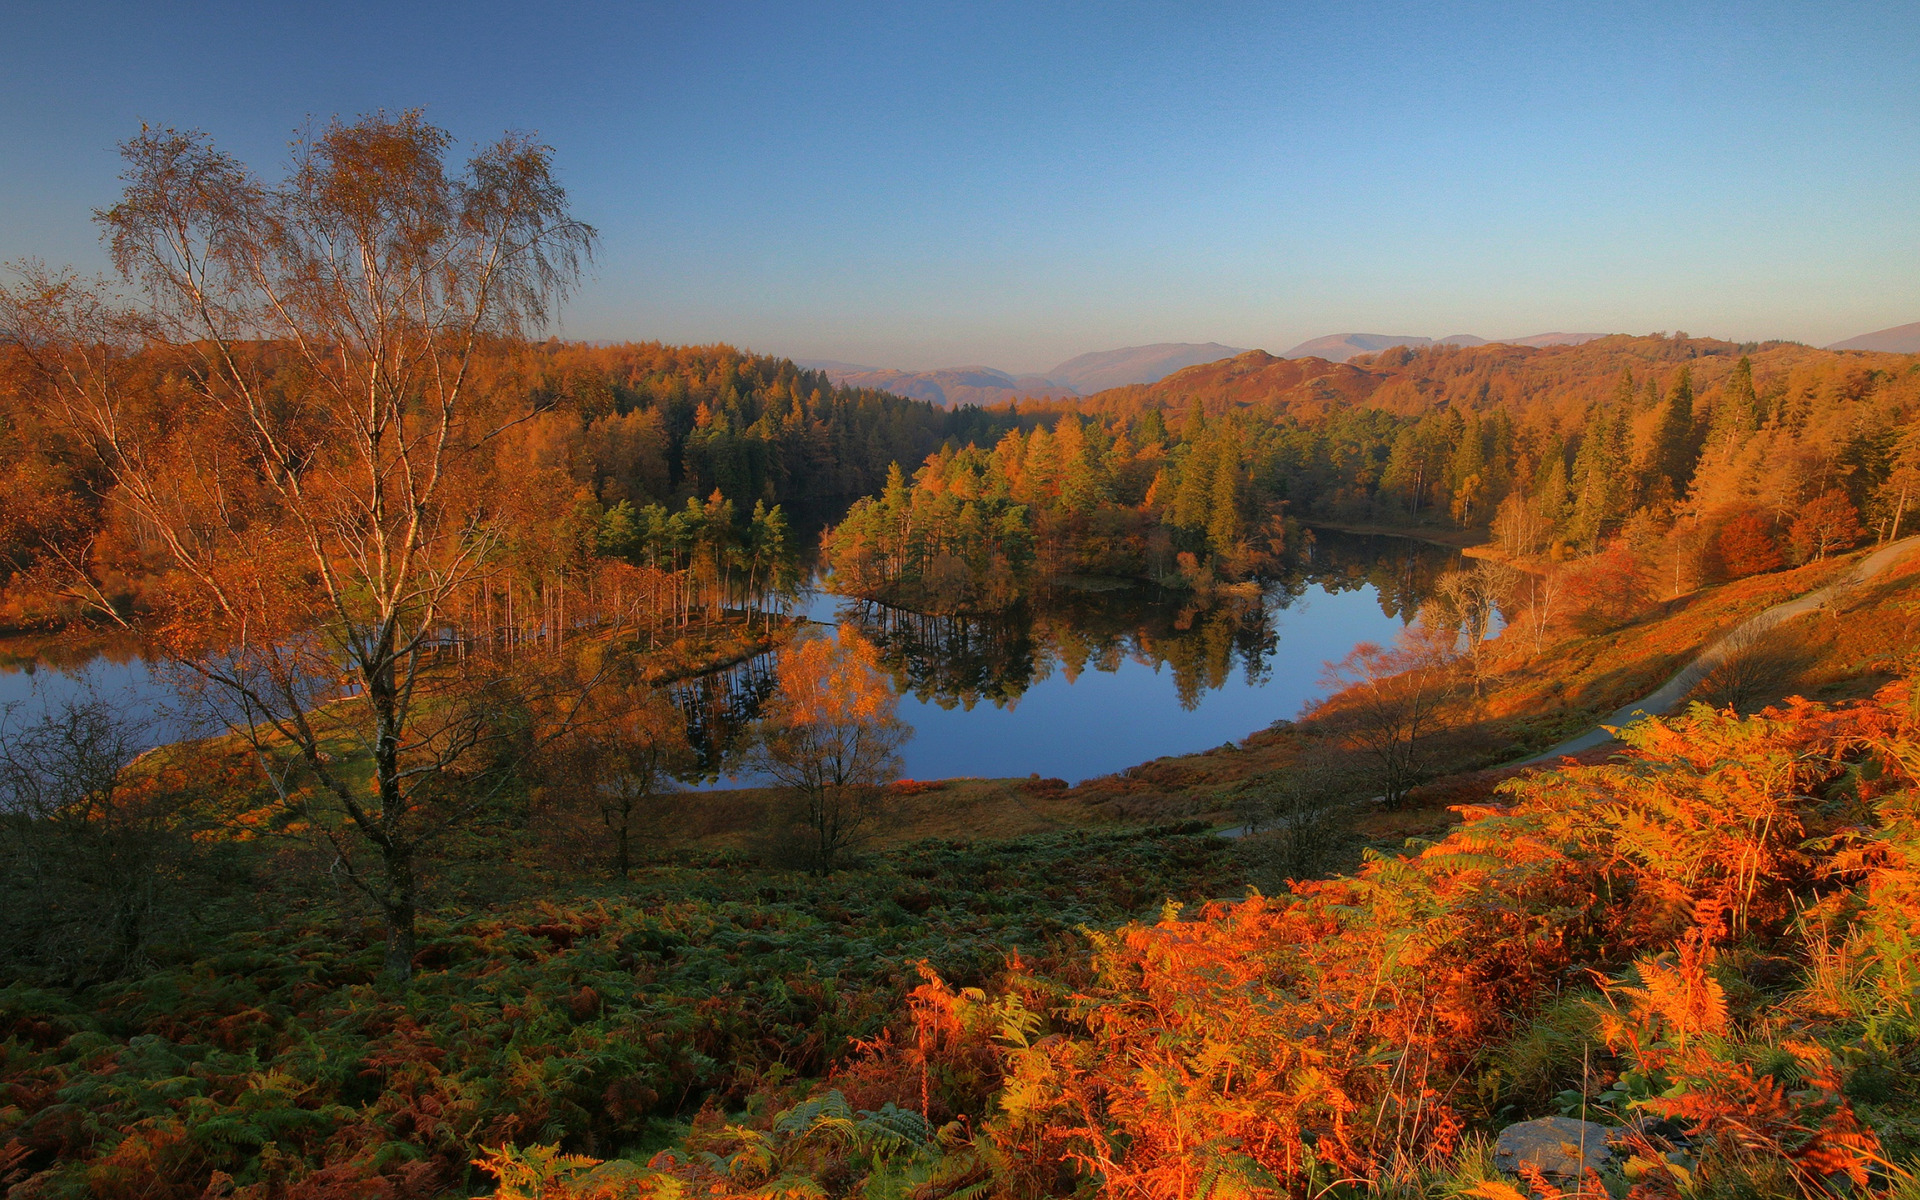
[1737, 415]
[1676, 449]
[1196, 422]
[1193, 494]
[1223, 518]
[1550, 495]
[1467, 473]
[1151, 428]
[1408, 472]
[1599, 486]
[1083, 478]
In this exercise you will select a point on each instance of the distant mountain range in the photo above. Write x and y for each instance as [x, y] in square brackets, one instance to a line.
[1901, 339]
[949, 386]
[1096, 372]
[1082, 376]
[1339, 347]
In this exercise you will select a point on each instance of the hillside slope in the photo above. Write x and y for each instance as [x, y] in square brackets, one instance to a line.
[1407, 381]
[1901, 339]
[1102, 369]
[952, 387]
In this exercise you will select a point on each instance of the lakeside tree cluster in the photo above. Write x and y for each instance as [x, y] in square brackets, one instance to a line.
[1712, 460]
[978, 529]
[1699, 461]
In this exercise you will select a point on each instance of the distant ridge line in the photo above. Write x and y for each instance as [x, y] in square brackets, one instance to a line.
[1901, 339]
[1339, 347]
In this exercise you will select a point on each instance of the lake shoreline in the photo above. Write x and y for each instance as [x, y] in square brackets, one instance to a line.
[1452, 539]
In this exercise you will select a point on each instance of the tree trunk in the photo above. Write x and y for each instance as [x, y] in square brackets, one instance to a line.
[622, 854]
[400, 896]
[400, 922]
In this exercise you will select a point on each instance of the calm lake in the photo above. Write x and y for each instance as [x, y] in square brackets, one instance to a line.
[1097, 679]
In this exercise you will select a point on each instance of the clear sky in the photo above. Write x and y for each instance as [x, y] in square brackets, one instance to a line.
[912, 184]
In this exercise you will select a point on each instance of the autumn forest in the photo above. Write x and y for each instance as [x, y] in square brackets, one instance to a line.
[471, 881]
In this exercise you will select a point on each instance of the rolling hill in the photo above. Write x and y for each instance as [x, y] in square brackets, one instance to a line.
[1339, 347]
[951, 387]
[1569, 374]
[1901, 339]
[1090, 373]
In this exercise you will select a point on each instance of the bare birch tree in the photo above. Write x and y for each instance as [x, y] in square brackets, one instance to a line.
[317, 492]
[1390, 703]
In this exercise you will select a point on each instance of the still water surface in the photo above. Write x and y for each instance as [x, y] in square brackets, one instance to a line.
[1098, 680]
[37, 676]
[1089, 683]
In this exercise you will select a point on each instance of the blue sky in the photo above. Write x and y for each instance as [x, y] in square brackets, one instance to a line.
[912, 184]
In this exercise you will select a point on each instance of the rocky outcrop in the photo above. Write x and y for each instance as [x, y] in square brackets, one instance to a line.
[1561, 1147]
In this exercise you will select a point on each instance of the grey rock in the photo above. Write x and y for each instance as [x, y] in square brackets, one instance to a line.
[1557, 1146]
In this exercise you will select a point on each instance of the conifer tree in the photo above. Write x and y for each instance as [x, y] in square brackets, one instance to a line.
[1737, 415]
[1467, 472]
[1193, 494]
[1550, 497]
[1676, 449]
[1623, 391]
[1599, 483]
[1151, 428]
[1223, 519]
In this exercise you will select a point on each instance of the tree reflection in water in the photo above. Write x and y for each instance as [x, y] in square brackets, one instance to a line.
[960, 661]
[720, 706]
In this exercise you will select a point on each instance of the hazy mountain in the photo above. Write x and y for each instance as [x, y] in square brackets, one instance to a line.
[1553, 339]
[1090, 373]
[831, 365]
[1305, 384]
[1339, 347]
[951, 386]
[1901, 339]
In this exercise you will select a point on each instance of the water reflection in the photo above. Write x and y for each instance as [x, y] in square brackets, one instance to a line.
[719, 706]
[1094, 679]
[1402, 572]
[960, 661]
[1102, 676]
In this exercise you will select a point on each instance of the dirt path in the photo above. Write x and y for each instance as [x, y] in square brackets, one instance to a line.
[1668, 695]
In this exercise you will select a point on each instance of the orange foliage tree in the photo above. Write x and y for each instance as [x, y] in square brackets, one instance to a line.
[1746, 546]
[1827, 522]
[612, 761]
[1390, 703]
[832, 736]
[315, 493]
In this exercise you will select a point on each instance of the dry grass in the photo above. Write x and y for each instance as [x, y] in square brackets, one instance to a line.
[745, 819]
[1583, 677]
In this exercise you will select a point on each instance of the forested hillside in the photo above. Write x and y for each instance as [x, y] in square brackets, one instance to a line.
[1701, 460]
[617, 442]
[1569, 440]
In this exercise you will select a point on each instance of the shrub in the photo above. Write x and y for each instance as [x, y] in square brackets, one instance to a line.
[1746, 546]
[1827, 523]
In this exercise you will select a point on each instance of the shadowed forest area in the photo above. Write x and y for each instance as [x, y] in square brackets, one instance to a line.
[435, 915]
